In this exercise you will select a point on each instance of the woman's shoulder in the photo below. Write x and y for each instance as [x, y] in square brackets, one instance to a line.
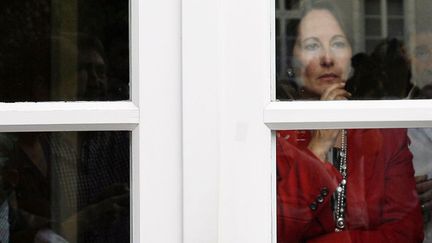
[382, 132]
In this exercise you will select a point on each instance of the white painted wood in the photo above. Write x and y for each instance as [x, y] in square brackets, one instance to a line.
[273, 189]
[70, 116]
[273, 16]
[348, 114]
[154, 116]
[136, 187]
[158, 137]
[202, 91]
[68, 106]
[136, 172]
[134, 51]
[245, 192]
[66, 127]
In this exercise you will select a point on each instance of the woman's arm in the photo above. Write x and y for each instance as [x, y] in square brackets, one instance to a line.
[304, 188]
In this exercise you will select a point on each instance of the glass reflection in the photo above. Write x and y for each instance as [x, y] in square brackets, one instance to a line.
[389, 42]
[320, 56]
[54, 50]
[65, 187]
[422, 64]
[338, 50]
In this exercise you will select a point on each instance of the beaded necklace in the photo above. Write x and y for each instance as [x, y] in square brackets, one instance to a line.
[340, 194]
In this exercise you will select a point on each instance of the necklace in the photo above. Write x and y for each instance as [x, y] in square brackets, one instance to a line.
[340, 194]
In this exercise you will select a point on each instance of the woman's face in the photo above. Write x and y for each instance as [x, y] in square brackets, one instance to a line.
[422, 59]
[322, 52]
[92, 80]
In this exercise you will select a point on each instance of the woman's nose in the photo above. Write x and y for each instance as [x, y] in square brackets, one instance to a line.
[326, 59]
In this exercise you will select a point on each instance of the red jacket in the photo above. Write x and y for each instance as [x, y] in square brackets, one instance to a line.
[382, 203]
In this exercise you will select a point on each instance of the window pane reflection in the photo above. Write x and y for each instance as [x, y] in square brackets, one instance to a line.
[291, 4]
[372, 50]
[395, 7]
[354, 185]
[65, 186]
[372, 7]
[395, 28]
[373, 27]
[53, 50]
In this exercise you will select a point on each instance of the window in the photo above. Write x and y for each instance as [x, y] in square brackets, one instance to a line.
[285, 11]
[63, 117]
[236, 162]
[383, 19]
[324, 64]
[59, 182]
[55, 51]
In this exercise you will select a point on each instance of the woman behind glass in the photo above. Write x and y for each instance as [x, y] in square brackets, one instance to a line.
[378, 202]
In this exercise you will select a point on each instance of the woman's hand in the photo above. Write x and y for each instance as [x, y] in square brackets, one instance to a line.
[323, 140]
[424, 190]
[336, 92]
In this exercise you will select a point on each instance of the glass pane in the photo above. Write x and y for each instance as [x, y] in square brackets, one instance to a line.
[64, 50]
[370, 45]
[291, 27]
[373, 27]
[277, 28]
[291, 4]
[395, 27]
[395, 7]
[342, 51]
[354, 185]
[372, 7]
[278, 58]
[65, 187]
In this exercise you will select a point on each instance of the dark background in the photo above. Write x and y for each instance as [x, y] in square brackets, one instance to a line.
[26, 25]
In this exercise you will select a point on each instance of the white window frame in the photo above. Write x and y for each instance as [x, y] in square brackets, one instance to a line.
[229, 115]
[157, 92]
[153, 115]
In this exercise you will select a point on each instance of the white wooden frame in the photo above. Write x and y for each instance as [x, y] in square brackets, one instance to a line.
[153, 116]
[348, 114]
[157, 213]
[229, 116]
[226, 146]
[67, 116]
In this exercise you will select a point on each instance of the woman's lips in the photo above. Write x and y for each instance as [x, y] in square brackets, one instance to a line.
[329, 77]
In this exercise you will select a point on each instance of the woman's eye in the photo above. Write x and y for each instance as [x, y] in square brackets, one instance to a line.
[339, 44]
[311, 46]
